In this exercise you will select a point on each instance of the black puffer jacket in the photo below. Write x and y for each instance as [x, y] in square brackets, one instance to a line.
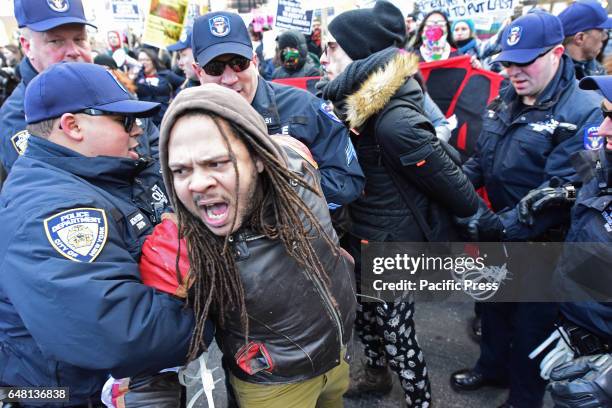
[386, 109]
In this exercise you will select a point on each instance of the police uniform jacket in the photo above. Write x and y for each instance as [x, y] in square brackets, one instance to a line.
[523, 147]
[72, 306]
[583, 274]
[14, 137]
[295, 112]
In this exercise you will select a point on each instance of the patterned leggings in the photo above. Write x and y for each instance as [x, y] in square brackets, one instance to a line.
[387, 332]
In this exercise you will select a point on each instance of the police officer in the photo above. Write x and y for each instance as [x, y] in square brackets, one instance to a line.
[224, 55]
[185, 59]
[52, 31]
[528, 135]
[72, 304]
[585, 25]
[587, 320]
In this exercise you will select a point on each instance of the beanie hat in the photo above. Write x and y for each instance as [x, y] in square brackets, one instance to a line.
[363, 32]
[293, 39]
[224, 102]
[467, 21]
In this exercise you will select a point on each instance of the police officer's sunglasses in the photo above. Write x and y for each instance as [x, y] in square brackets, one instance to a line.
[605, 112]
[128, 120]
[237, 64]
[507, 64]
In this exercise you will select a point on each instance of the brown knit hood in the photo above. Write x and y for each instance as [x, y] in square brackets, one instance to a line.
[223, 102]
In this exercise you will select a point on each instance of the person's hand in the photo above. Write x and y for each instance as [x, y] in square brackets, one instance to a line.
[158, 260]
[537, 200]
[484, 226]
[476, 64]
[585, 382]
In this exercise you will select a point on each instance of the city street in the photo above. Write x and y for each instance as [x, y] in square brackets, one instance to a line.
[443, 333]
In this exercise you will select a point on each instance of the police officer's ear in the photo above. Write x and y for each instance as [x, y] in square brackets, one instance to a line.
[255, 60]
[70, 126]
[557, 52]
[198, 71]
[579, 38]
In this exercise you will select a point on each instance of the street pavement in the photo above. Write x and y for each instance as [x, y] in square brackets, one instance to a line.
[442, 330]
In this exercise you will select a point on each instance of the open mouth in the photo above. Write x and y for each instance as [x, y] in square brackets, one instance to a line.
[133, 154]
[215, 214]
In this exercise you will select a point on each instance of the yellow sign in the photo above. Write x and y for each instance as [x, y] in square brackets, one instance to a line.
[164, 22]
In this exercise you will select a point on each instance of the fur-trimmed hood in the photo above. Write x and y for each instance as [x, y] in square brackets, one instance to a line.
[379, 88]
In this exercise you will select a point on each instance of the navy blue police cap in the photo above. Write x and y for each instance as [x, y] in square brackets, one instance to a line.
[43, 15]
[603, 83]
[584, 15]
[529, 36]
[71, 87]
[183, 42]
[219, 33]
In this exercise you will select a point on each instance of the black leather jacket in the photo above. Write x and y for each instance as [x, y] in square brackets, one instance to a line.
[302, 326]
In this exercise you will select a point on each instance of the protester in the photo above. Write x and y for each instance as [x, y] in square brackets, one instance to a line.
[185, 59]
[40, 21]
[313, 41]
[73, 307]
[434, 38]
[253, 216]
[224, 54]
[407, 174]
[295, 60]
[528, 135]
[155, 83]
[585, 25]
[464, 36]
[123, 78]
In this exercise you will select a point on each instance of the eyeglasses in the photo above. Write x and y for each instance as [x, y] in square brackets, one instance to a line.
[237, 64]
[605, 112]
[507, 64]
[128, 120]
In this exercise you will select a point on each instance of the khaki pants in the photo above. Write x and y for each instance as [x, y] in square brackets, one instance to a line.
[324, 391]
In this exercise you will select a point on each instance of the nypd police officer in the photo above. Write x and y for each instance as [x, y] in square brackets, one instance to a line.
[72, 306]
[582, 374]
[224, 55]
[528, 135]
[51, 32]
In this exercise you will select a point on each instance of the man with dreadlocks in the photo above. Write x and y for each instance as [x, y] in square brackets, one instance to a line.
[265, 261]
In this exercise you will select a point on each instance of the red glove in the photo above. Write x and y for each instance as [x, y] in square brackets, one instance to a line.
[158, 260]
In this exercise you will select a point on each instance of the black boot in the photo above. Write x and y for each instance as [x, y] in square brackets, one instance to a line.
[372, 381]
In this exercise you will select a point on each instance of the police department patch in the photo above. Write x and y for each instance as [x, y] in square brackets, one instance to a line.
[20, 141]
[79, 234]
[592, 140]
[60, 6]
[514, 36]
[219, 26]
[328, 109]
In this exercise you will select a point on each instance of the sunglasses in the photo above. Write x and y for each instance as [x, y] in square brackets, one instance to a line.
[237, 64]
[605, 112]
[128, 120]
[507, 64]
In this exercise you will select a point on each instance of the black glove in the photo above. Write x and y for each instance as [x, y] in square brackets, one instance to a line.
[538, 199]
[484, 226]
[585, 382]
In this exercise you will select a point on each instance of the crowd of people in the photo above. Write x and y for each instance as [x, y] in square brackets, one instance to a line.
[156, 201]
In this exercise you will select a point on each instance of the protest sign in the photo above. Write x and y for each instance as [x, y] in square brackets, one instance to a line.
[125, 10]
[164, 22]
[291, 15]
[469, 8]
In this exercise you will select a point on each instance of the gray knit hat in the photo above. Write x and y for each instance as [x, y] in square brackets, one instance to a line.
[223, 102]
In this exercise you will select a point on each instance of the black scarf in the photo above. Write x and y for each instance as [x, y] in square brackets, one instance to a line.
[355, 74]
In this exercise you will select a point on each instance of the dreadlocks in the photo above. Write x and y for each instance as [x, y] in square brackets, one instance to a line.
[281, 214]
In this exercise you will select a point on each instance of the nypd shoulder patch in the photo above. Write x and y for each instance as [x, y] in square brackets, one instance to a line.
[79, 234]
[592, 140]
[20, 141]
[328, 109]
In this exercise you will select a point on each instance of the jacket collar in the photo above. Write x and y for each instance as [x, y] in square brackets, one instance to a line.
[27, 71]
[376, 92]
[265, 104]
[100, 169]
